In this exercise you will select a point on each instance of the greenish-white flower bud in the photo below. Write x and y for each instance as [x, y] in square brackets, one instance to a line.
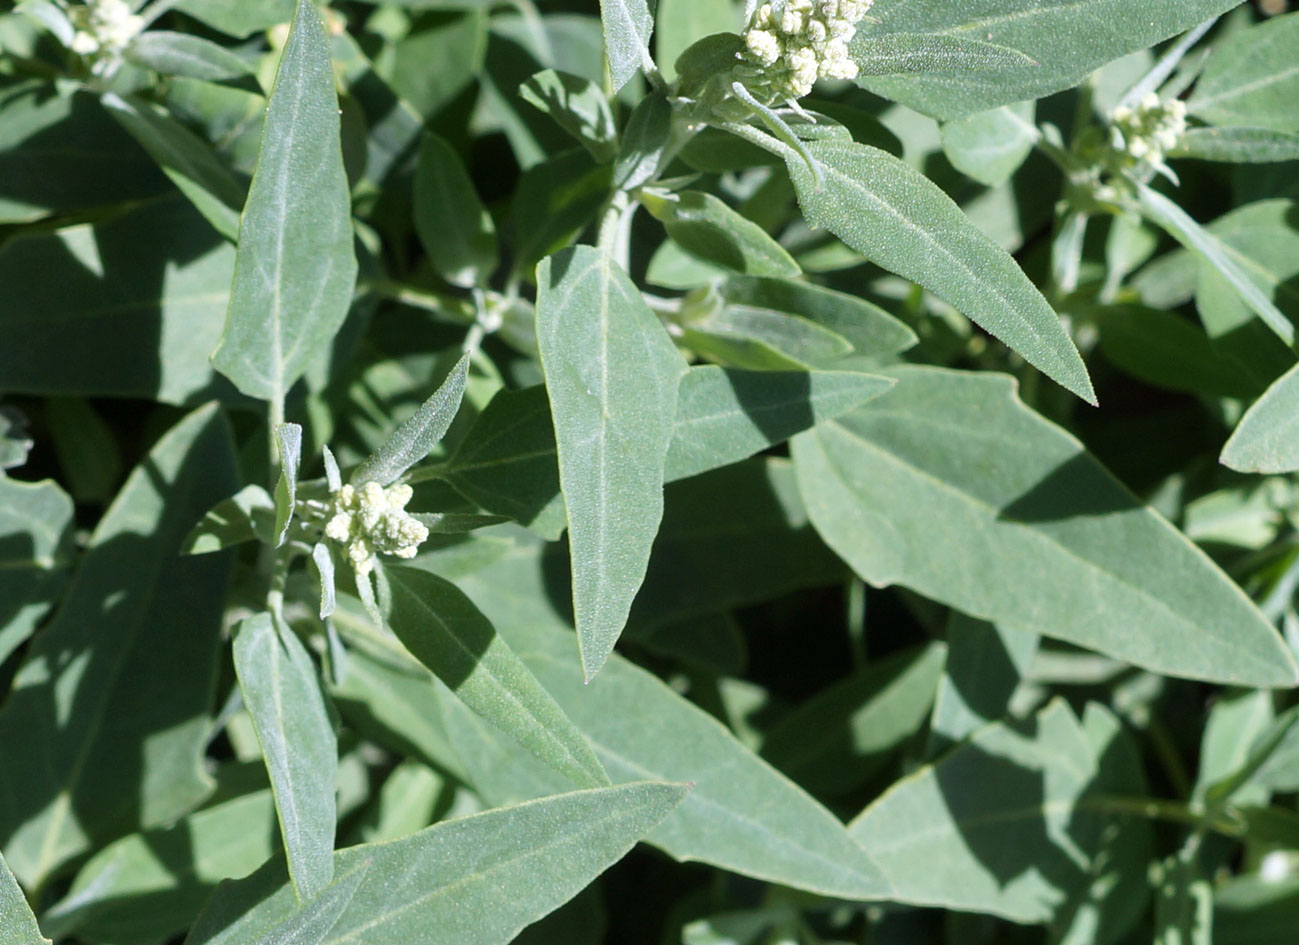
[791, 44]
[372, 520]
[1148, 131]
[104, 28]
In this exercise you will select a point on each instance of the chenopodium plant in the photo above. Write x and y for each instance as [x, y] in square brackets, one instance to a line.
[568, 398]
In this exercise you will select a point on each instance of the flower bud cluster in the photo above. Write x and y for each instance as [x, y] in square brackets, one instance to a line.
[103, 28]
[372, 520]
[1146, 132]
[789, 45]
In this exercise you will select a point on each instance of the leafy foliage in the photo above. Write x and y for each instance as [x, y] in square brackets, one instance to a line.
[538, 473]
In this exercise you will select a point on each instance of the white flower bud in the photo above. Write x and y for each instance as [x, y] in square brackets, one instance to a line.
[763, 45]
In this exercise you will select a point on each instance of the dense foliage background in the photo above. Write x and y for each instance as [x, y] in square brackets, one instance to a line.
[481, 472]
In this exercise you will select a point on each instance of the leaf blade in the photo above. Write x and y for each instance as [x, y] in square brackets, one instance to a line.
[295, 266]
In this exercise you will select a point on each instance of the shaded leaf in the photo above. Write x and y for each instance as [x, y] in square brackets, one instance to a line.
[111, 704]
[182, 54]
[950, 486]
[453, 226]
[448, 634]
[990, 146]
[578, 106]
[1252, 78]
[706, 227]
[35, 550]
[288, 439]
[1267, 437]
[1238, 145]
[248, 515]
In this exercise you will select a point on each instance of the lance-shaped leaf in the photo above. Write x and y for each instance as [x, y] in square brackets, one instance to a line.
[282, 694]
[1267, 438]
[185, 158]
[295, 266]
[578, 106]
[442, 885]
[949, 485]
[742, 815]
[1061, 43]
[412, 441]
[110, 709]
[443, 629]
[612, 374]
[898, 219]
[17, 924]
[452, 224]
[182, 54]
[707, 228]
[627, 28]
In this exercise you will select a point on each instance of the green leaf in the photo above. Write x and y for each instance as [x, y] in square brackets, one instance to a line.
[442, 886]
[59, 152]
[288, 438]
[990, 146]
[741, 816]
[1238, 145]
[554, 203]
[295, 266]
[985, 664]
[1179, 225]
[412, 441]
[627, 28]
[111, 705]
[17, 924]
[948, 485]
[758, 339]
[282, 694]
[1267, 438]
[706, 227]
[185, 158]
[142, 294]
[1252, 78]
[644, 142]
[35, 550]
[453, 226]
[900, 220]
[1234, 726]
[998, 826]
[843, 735]
[148, 887]
[442, 628]
[871, 330]
[578, 106]
[1170, 351]
[248, 515]
[724, 416]
[1061, 42]
[185, 55]
[611, 374]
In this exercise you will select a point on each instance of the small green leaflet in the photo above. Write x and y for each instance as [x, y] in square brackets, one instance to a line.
[900, 220]
[295, 265]
[611, 374]
[627, 28]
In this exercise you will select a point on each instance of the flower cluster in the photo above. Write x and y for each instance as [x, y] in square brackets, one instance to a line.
[104, 28]
[789, 46]
[372, 520]
[1149, 130]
